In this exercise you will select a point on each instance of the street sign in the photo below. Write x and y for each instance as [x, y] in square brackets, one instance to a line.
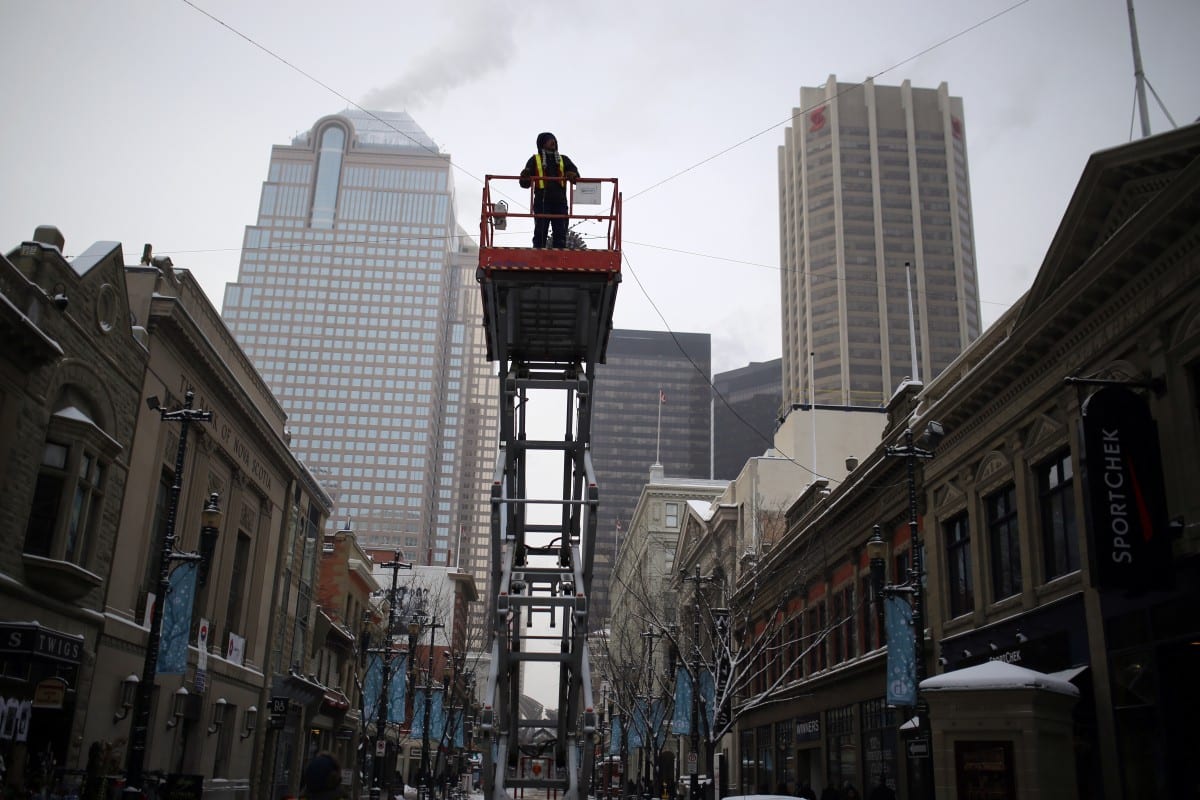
[691, 763]
[278, 711]
[918, 748]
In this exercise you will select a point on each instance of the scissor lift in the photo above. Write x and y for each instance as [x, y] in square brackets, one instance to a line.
[548, 315]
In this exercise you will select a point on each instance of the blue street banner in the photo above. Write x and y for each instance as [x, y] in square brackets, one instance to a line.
[681, 721]
[901, 651]
[637, 726]
[708, 696]
[372, 686]
[398, 690]
[437, 714]
[614, 747]
[437, 724]
[418, 721]
[658, 723]
[177, 620]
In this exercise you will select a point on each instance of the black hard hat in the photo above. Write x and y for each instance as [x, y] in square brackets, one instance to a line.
[544, 136]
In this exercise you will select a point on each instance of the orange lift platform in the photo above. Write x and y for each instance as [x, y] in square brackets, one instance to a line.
[548, 304]
[548, 316]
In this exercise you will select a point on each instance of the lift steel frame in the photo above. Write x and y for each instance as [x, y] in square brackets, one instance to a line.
[547, 316]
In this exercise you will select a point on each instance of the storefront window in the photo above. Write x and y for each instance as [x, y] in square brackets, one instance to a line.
[766, 760]
[746, 752]
[843, 751]
[785, 759]
[879, 745]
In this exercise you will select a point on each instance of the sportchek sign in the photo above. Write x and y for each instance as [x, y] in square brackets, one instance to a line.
[1130, 543]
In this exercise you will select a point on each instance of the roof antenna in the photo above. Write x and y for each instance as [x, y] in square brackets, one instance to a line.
[1141, 80]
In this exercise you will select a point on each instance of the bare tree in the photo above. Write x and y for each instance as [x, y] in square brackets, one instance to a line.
[741, 644]
[640, 694]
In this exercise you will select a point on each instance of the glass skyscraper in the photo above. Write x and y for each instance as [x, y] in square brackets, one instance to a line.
[356, 301]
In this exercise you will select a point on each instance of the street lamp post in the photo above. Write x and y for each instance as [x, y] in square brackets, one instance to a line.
[423, 785]
[626, 672]
[650, 739]
[395, 565]
[694, 755]
[910, 451]
[139, 729]
[600, 779]
[452, 668]
[721, 650]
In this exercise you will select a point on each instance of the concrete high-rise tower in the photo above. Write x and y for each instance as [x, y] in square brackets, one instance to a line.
[872, 177]
[356, 300]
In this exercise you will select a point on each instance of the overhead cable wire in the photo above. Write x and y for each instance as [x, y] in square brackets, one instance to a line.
[849, 88]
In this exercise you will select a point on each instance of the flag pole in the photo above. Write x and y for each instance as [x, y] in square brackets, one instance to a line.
[658, 435]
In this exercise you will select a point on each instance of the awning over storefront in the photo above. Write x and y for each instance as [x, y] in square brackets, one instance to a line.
[997, 676]
[298, 688]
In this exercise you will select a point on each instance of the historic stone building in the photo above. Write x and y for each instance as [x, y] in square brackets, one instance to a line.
[1057, 522]
[70, 392]
[97, 352]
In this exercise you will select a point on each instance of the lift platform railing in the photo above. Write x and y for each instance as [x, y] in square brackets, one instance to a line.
[496, 212]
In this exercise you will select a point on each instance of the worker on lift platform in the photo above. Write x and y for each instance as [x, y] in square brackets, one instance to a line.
[549, 197]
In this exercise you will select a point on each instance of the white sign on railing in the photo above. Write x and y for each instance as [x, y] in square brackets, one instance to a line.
[587, 193]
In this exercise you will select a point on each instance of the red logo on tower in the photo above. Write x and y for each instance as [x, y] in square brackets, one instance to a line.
[816, 119]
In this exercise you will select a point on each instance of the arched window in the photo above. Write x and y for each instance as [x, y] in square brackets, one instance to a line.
[329, 174]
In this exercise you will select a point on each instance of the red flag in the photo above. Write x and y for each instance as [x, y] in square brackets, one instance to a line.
[662, 396]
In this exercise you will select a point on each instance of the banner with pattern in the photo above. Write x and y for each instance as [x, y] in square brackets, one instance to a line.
[177, 620]
[901, 651]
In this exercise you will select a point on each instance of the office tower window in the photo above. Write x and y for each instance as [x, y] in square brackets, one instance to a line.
[329, 172]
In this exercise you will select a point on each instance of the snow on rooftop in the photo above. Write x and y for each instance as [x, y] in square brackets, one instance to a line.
[998, 675]
[72, 412]
[89, 258]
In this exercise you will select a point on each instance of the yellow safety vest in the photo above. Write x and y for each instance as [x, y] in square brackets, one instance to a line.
[541, 174]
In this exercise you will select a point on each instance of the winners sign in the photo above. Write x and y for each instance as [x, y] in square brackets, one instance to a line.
[1130, 541]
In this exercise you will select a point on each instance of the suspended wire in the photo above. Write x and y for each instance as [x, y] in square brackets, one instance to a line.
[348, 101]
[328, 88]
[406, 239]
[849, 88]
[790, 118]
[700, 371]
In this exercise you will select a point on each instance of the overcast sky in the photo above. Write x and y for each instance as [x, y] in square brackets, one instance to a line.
[152, 120]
